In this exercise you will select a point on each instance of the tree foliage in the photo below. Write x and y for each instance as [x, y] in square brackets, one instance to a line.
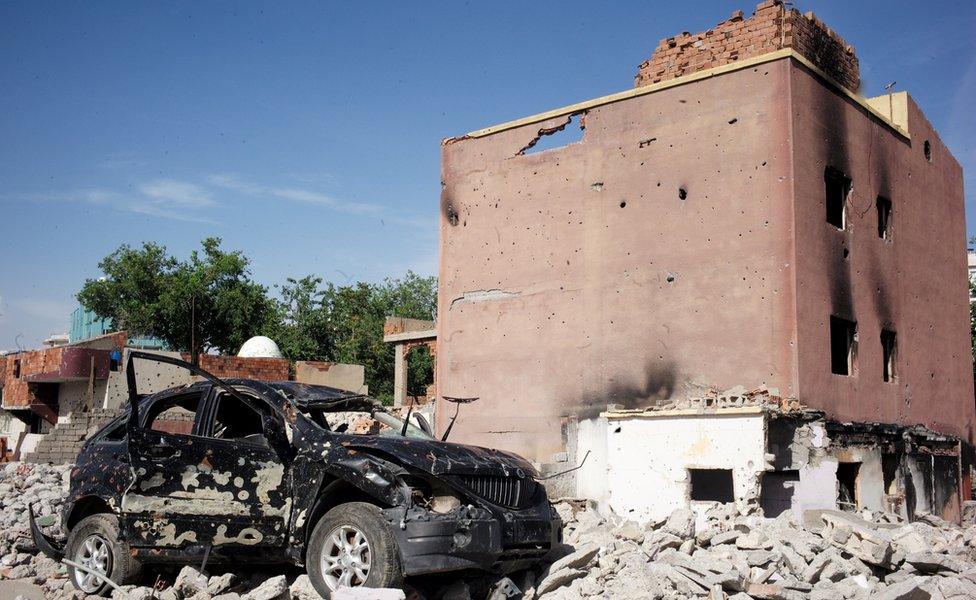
[345, 324]
[208, 302]
[149, 292]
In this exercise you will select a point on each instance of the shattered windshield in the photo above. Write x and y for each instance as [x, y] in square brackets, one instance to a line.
[340, 411]
[371, 421]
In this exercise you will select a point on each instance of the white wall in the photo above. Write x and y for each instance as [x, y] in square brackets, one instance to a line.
[648, 457]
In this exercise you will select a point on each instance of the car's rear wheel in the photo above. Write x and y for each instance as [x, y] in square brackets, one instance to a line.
[352, 545]
[94, 544]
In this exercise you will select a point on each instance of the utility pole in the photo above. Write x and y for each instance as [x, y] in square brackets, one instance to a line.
[194, 358]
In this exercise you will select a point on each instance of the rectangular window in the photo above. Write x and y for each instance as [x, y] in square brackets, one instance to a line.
[889, 349]
[837, 186]
[16, 368]
[711, 485]
[884, 218]
[843, 345]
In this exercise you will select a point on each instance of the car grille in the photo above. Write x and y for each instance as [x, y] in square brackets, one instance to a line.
[510, 492]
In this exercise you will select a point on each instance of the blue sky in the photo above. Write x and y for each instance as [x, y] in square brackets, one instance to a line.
[307, 134]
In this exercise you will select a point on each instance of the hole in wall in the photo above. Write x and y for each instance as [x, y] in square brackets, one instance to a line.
[623, 204]
[927, 150]
[682, 193]
[884, 217]
[847, 475]
[559, 136]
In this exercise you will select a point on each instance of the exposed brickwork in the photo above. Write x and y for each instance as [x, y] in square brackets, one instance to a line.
[19, 392]
[229, 367]
[771, 28]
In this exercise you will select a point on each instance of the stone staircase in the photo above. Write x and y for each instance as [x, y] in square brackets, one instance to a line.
[62, 443]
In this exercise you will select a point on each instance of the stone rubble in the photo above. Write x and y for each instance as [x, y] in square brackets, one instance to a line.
[718, 556]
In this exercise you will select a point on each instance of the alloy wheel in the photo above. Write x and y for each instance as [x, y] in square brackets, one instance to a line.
[346, 558]
[95, 554]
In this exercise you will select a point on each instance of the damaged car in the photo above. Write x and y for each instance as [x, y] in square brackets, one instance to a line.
[242, 471]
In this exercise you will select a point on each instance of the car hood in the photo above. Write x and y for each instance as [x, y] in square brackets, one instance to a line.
[442, 458]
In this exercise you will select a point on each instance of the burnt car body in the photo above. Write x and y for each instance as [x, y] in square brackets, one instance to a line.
[245, 470]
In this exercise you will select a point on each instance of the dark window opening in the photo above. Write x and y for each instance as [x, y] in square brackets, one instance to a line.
[837, 188]
[173, 415]
[889, 472]
[16, 368]
[847, 474]
[884, 218]
[237, 421]
[712, 485]
[843, 345]
[35, 424]
[889, 350]
[927, 149]
[776, 492]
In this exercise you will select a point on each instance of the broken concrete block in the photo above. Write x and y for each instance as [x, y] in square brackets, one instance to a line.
[930, 562]
[218, 584]
[631, 531]
[769, 591]
[681, 523]
[579, 559]
[302, 589]
[727, 537]
[909, 589]
[557, 579]
[658, 541]
[189, 582]
[761, 558]
[687, 547]
[276, 588]
[754, 540]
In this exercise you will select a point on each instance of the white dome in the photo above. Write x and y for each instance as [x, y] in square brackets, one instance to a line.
[260, 347]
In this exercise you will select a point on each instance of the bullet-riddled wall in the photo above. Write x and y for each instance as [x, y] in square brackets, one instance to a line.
[653, 254]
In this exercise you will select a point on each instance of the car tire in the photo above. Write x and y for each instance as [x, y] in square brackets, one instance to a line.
[95, 542]
[338, 537]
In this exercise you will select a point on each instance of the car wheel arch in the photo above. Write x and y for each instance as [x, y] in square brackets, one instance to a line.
[85, 507]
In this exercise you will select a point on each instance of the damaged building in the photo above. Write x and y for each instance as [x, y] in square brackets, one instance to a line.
[739, 281]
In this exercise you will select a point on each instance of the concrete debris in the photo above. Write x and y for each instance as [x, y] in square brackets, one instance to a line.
[716, 554]
[709, 399]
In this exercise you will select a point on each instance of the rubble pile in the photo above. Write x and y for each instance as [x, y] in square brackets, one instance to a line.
[831, 555]
[836, 555]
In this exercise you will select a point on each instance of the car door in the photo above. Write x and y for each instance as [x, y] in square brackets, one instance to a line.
[247, 454]
[164, 504]
[200, 484]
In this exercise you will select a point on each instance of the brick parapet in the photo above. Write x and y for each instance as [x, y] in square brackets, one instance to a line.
[771, 27]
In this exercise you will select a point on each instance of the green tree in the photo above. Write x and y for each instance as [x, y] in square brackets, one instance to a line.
[345, 324]
[208, 302]
[302, 328]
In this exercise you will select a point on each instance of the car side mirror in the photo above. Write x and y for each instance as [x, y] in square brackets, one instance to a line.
[423, 424]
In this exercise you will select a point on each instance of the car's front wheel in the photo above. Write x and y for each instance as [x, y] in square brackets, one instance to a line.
[352, 545]
[95, 545]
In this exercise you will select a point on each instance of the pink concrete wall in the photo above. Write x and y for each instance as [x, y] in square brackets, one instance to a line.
[915, 284]
[576, 310]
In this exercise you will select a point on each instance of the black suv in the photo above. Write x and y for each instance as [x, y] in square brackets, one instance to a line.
[283, 472]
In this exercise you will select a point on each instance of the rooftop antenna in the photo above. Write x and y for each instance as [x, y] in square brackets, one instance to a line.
[891, 106]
